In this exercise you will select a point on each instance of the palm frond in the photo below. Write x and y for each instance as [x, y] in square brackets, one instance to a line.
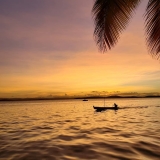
[153, 27]
[111, 18]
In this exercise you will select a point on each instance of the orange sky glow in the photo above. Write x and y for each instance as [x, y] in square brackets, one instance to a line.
[47, 49]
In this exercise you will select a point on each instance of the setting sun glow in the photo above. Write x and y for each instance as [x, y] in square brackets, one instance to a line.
[44, 52]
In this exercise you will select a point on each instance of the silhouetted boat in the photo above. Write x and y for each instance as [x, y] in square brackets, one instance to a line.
[99, 109]
[105, 108]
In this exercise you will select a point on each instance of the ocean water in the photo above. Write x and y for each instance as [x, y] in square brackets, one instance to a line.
[71, 129]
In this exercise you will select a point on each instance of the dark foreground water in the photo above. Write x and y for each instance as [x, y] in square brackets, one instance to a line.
[72, 130]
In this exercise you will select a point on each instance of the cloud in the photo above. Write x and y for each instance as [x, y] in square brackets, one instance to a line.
[48, 46]
[45, 25]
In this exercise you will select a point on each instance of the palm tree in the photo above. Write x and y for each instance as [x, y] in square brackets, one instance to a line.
[112, 16]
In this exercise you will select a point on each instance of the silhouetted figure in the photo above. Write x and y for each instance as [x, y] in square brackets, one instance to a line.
[115, 106]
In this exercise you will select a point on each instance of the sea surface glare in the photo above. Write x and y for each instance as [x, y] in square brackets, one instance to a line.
[71, 129]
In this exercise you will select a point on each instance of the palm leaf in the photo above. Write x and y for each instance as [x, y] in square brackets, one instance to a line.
[111, 18]
[153, 27]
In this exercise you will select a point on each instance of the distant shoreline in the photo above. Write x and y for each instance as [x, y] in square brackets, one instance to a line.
[81, 98]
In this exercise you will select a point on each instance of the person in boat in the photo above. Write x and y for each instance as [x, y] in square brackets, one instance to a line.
[115, 106]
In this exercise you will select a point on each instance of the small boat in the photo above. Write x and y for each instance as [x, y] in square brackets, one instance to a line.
[85, 99]
[99, 109]
[105, 108]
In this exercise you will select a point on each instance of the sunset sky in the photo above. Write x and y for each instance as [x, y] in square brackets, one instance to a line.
[47, 48]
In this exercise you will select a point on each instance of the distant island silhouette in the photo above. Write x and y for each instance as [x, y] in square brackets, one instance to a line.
[65, 98]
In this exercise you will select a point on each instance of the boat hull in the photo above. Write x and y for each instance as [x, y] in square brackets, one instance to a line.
[105, 108]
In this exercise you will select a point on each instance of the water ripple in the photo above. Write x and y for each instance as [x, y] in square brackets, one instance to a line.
[60, 131]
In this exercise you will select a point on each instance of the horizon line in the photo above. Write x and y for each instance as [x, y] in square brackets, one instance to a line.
[81, 97]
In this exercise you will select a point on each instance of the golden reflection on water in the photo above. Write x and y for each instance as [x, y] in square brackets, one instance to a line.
[73, 130]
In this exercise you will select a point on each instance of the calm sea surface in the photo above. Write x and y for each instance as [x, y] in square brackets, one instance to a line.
[70, 129]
